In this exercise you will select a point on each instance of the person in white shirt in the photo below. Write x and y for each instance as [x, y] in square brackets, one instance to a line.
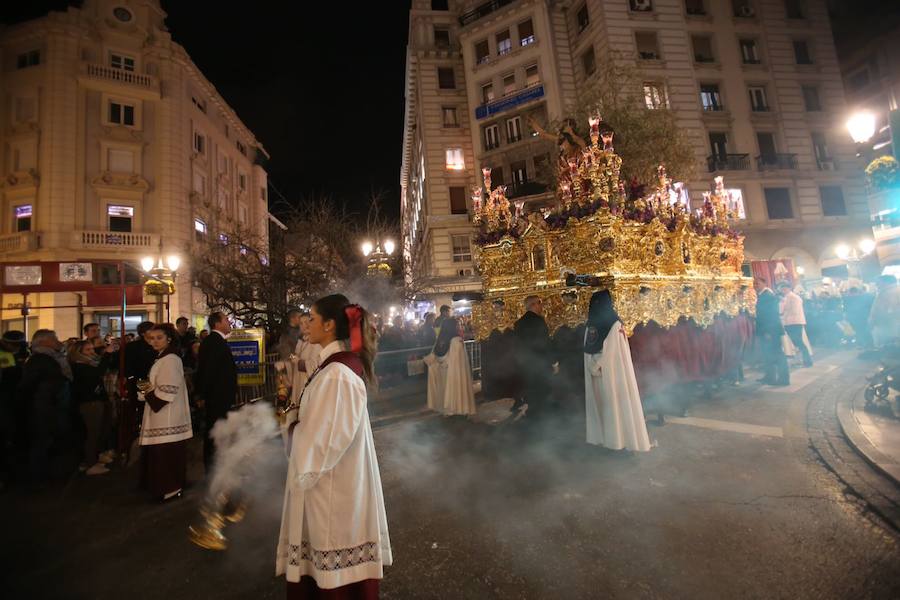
[167, 418]
[794, 320]
[449, 373]
[615, 417]
[334, 537]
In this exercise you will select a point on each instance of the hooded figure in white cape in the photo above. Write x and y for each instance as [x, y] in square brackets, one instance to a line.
[615, 417]
[449, 374]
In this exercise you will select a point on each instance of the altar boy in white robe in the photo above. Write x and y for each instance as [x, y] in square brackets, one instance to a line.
[449, 374]
[334, 538]
[615, 418]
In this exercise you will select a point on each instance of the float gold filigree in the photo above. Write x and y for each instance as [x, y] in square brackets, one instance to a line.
[660, 261]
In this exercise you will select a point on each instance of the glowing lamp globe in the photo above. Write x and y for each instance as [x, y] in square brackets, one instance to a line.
[173, 261]
[842, 251]
[367, 248]
[861, 126]
[147, 263]
[389, 246]
[867, 246]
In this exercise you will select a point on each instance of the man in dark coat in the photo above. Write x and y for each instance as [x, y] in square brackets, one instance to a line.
[43, 390]
[534, 357]
[139, 358]
[216, 379]
[770, 331]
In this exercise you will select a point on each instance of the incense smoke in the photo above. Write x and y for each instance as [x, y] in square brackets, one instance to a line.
[240, 440]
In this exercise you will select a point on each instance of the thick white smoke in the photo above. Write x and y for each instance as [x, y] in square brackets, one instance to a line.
[240, 445]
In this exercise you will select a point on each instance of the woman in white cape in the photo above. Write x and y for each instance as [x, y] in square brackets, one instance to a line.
[333, 526]
[615, 417]
[167, 418]
[449, 374]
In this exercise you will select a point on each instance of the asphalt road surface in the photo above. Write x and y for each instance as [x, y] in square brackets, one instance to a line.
[749, 496]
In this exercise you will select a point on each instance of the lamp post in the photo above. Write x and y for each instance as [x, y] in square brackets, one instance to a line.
[852, 255]
[379, 256]
[161, 277]
[861, 126]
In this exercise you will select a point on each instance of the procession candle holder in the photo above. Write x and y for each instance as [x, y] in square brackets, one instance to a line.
[476, 203]
[594, 121]
[607, 137]
[486, 173]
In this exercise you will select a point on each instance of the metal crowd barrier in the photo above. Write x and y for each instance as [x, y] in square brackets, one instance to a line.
[393, 367]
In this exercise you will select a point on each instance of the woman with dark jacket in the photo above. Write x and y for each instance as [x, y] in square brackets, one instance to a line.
[89, 395]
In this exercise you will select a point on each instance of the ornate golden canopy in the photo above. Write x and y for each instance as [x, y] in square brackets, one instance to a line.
[659, 261]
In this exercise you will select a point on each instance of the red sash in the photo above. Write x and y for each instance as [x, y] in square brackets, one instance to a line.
[348, 359]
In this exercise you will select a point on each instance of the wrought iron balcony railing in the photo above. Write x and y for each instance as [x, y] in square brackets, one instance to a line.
[482, 11]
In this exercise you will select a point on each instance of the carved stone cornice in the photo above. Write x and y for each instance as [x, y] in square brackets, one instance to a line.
[21, 180]
[125, 181]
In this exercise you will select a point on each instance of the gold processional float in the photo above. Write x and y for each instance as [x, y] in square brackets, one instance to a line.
[660, 261]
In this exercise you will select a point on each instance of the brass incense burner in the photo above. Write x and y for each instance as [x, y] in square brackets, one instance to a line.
[216, 516]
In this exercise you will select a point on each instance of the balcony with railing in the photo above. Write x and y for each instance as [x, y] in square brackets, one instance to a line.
[113, 240]
[98, 72]
[772, 162]
[22, 241]
[728, 162]
[510, 101]
[482, 10]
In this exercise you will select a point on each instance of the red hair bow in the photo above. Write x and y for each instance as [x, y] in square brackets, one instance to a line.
[354, 314]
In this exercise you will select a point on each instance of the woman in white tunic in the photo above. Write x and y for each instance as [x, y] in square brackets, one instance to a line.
[615, 418]
[167, 418]
[449, 374]
[334, 527]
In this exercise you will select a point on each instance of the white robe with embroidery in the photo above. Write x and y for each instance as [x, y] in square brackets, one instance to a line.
[333, 525]
[615, 417]
[450, 381]
[173, 421]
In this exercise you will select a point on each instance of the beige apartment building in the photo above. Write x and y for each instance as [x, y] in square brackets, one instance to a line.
[754, 83]
[114, 147]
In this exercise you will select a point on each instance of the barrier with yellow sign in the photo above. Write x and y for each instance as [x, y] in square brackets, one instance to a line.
[248, 346]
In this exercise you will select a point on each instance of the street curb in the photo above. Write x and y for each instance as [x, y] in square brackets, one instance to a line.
[861, 444]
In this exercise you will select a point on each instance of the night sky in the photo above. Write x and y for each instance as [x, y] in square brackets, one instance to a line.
[323, 92]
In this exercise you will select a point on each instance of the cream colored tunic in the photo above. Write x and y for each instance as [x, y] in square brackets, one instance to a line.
[173, 422]
[333, 525]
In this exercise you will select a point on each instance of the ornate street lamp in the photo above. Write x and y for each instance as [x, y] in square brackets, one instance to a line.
[160, 278]
[852, 255]
[379, 260]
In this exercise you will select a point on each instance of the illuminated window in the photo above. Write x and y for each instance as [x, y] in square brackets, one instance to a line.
[462, 248]
[504, 43]
[22, 217]
[526, 32]
[199, 230]
[655, 95]
[455, 161]
[120, 218]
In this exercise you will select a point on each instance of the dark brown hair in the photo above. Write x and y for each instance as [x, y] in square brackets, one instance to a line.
[170, 332]
[331, 308]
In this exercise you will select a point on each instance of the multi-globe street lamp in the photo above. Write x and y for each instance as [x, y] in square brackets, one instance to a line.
[379, 256]
[852, 255]
[160, 273]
